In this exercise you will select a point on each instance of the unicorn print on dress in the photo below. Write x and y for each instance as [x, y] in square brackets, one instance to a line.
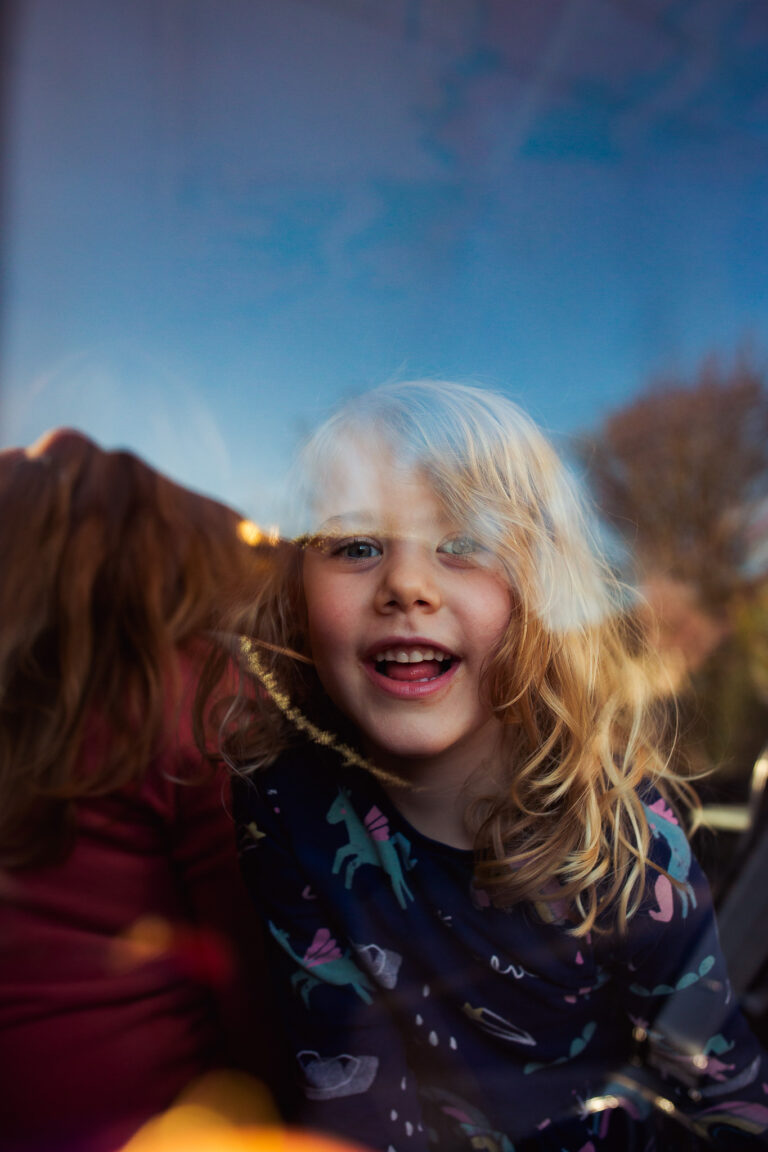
[325, 958]
[476, 1127]
[575, 1049]
[663, 823]
[515, 970]
[382, 963]
[496, 1025]
[743, 1115]
[370, 843]
[685, 981]
[692, 1063]
[331, 1077]
[254, 836]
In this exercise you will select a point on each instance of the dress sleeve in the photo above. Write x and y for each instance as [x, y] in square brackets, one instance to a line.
[348, 1059]
[696, 1053]
[223, 947]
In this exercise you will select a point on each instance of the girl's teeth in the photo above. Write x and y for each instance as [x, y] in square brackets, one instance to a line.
[415, 656]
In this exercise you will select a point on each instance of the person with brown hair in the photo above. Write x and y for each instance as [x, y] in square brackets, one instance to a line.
[124, 931]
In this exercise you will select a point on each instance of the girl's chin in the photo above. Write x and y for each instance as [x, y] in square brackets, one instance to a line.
[407, 749]
[393, 753]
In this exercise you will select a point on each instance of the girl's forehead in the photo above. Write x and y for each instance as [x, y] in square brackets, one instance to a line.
[375, 487]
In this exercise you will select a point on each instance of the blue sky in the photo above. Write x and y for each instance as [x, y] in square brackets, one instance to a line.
[222, 217]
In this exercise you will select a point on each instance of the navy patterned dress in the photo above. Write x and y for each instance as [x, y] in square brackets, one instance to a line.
[418, 1015]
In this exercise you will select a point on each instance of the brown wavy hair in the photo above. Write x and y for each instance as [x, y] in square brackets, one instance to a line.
[109, 572]
[572, 681]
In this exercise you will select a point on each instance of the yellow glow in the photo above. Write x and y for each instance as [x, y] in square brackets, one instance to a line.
[213, 1111]
[190, 1137]
[249, 532]
[760, 770]
[601, 1103]
[145, 940]
[228, 1111]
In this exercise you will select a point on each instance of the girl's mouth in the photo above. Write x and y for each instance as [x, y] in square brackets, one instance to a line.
[413, 665]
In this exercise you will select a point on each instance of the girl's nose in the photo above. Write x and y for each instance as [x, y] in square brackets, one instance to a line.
[408, 580]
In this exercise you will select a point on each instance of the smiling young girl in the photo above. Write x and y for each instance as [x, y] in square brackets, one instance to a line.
[455, 810]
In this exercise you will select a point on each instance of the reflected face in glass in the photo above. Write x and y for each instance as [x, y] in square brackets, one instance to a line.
[404, 607]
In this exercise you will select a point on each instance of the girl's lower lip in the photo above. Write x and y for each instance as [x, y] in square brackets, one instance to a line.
[410, 689]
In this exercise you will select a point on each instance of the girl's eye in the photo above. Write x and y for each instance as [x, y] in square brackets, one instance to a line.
[357, 550]
[461, 546]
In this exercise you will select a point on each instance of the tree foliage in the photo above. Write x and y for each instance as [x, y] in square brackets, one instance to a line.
[680, 473]
[678, 470]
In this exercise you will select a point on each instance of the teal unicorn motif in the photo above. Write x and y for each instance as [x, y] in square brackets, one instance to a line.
[370, 843]
[325, 958]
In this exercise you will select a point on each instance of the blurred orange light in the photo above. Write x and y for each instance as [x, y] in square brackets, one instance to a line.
[265, 1138]
[228, 1111]
[249, 532]
[201, 953]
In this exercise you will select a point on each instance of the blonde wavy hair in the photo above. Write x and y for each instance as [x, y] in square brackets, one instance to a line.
[571, 680]
[109, 572]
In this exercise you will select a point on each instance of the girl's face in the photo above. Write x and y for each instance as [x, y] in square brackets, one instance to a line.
[404, 608]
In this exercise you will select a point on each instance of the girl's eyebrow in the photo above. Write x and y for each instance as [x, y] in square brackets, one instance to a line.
[343, 520]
